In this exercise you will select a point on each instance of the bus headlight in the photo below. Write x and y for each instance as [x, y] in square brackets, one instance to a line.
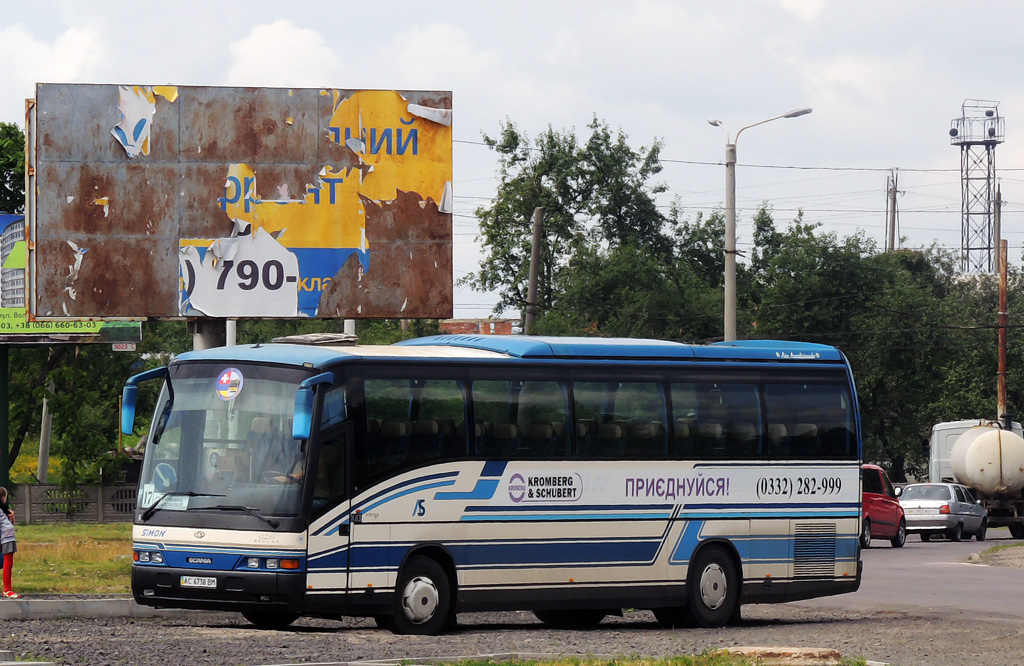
[271, 564]
[253, 563]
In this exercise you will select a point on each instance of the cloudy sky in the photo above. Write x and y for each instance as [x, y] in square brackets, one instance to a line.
[884, 79]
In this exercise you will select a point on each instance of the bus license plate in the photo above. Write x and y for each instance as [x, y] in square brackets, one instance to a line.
[198, 581]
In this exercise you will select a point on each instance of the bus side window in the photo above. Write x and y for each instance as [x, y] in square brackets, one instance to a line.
[388, 403]
[590, 400]
[442, 405]
[640, 406]
[542, 418]
[728, 421]
[335, 407]
[809, 421]
[684, 428]
[495, 404]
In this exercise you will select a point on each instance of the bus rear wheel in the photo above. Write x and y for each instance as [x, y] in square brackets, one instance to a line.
[268, 620]
[584, 618]
[422, 598]
[713, 587]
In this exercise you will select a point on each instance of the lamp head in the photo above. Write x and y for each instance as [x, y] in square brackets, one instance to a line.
[796, 113]
[715, 121]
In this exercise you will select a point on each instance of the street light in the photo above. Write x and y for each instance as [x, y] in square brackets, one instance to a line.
[730, 216]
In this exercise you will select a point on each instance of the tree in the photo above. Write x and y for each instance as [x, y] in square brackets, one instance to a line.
[12, 168]
[594, 196]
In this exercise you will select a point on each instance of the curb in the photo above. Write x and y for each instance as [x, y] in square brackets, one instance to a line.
[7, 659]
[48, 609]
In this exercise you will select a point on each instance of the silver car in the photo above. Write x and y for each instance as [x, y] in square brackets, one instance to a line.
[934, 509]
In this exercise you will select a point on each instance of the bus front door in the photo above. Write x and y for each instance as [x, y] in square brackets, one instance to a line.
[330, 530]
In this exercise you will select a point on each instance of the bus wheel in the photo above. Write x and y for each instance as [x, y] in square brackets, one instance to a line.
[583, 618]
[423, 598]
[1016, 530]
[714, 589]
[266, 620]
[673, 617]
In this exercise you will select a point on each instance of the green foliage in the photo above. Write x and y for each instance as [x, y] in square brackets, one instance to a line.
[12, 168]
[920, 337]
[595, 197]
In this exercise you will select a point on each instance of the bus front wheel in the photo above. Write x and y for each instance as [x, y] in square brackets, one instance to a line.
[714, 589]
[422, 598]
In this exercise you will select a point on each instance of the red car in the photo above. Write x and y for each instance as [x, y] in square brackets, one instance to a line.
[882, 515]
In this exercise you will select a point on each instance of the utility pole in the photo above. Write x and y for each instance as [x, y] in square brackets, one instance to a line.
[1003, 321]
[531, 288]
[997, 223]
[890, 223]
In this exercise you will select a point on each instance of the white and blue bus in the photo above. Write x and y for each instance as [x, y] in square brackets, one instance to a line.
[571, 477]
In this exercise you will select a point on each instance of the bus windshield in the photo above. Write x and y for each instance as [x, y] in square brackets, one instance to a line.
[222, 438]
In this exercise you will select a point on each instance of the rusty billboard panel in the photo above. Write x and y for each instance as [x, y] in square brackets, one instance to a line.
[182, 201]
[15, 325]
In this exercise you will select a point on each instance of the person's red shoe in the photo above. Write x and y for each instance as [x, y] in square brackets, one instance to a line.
[12, 595]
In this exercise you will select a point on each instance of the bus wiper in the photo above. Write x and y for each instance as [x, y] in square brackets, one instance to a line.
[176, 493]
[247, 509]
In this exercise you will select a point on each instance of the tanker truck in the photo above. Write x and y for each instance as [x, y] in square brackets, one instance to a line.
[987, 457]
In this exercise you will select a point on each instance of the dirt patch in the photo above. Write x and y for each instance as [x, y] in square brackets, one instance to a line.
[1008, 556]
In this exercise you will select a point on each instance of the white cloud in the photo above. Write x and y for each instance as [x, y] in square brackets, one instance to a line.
[808, 10]
[282, 54]
[437, 56]
[72, 56]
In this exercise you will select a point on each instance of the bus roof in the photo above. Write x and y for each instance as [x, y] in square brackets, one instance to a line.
[521, 346]
[469, 347]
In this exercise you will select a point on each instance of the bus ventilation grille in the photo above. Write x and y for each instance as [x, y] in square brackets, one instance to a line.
[814, 551]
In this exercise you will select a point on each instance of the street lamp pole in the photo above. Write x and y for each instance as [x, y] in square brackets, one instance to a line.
[730, 216]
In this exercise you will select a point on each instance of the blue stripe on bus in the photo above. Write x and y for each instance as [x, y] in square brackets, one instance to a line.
[332, 526]
[484, 490]
[383, 556]
[583, 507]
[794, 505]
[394, 496]
[569, 517]
[494, 468]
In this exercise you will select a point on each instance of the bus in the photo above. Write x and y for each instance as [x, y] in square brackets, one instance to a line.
[571, 477]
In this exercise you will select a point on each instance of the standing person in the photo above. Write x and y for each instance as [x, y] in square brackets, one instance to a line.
[8, 544]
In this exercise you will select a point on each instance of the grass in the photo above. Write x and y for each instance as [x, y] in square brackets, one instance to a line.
[73, 558]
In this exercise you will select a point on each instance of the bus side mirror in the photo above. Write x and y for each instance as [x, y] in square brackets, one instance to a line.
[302, 423]
[130, 395]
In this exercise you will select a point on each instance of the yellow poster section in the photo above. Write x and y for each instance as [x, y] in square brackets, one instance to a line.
[424, 173]
[329, 215]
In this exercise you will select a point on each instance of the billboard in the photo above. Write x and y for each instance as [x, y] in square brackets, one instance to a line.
[17, 328]
[179, 201]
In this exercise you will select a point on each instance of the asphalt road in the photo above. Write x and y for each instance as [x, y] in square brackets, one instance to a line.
[920, 605]
[932, 577]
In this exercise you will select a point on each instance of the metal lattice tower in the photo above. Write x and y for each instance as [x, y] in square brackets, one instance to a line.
[977, 131]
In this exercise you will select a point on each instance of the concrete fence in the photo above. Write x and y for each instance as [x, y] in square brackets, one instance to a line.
[44, 503]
